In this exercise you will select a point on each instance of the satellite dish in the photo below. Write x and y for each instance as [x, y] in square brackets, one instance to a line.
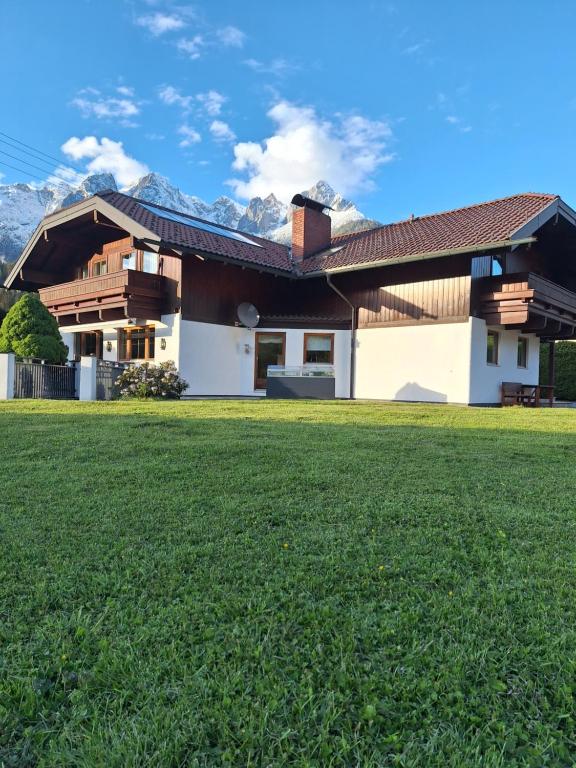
[248, 314]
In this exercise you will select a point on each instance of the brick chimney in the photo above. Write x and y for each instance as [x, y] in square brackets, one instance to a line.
[311, 228]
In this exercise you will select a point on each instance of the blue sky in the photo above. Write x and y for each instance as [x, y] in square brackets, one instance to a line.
[407, 107]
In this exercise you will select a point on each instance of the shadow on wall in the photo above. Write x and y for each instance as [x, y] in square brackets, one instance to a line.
[412, 391]
[380, 300]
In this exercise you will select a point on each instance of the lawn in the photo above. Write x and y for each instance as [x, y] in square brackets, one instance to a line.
[286, 584]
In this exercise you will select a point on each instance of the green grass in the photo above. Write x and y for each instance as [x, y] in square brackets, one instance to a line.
[286, 584]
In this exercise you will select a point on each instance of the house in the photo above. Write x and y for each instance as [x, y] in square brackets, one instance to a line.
[439, 308]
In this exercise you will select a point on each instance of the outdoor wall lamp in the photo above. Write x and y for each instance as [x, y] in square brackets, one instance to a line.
[162, 343]
[108, 346]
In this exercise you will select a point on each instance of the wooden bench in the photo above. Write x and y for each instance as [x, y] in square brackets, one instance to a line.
[516, 393]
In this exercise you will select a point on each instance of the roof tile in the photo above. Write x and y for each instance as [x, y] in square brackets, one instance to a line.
[475, 225]
[269, 254]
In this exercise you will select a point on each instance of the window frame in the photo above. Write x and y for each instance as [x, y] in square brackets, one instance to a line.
[260, 383]
[80, 343]
[125, 342]
[95, 264]
[127, 254]
[151, 254]
[500, 260]
[323, 336]
[523, 343]
[496, 336]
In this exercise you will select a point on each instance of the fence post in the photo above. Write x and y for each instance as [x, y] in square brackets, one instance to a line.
[7, 374]
[87, 387]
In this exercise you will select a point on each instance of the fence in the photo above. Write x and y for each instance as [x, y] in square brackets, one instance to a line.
[107, 374]
[38, 380]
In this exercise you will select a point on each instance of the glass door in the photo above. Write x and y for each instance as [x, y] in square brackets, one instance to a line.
[270, 350]
[89, 344]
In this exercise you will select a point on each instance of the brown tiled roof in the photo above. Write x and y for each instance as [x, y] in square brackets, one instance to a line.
[269, 254]
[475, 225]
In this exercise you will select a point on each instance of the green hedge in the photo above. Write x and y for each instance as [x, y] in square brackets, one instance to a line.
[565, 369]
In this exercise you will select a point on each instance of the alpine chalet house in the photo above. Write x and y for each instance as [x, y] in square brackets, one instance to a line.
[439, 308]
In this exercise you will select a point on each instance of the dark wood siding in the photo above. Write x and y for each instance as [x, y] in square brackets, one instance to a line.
[411, 293]
[418, 292]
[410, 303]
[171, 268]
[211, 292]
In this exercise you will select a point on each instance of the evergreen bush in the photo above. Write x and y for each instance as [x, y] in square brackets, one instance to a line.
[29, 330]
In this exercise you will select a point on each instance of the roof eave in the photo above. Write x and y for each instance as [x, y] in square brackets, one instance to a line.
[211, 256]
[557, 206]
[94, 203]
[425, 256]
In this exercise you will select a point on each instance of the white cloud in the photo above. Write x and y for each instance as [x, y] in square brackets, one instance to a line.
[458, 123]
[125, 90]
[172, 96]
[222, 131]
[105, 156]
[191, 136]
[191, 46]
[231, 37]
[160, 23]
[212, 101]
[92, 104]
[345, 152]
[277, 67]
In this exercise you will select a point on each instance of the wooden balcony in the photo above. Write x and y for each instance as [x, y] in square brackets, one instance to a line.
[117, 295]
[530, 303]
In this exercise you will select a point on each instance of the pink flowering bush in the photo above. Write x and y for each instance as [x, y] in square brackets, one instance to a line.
[151, 381]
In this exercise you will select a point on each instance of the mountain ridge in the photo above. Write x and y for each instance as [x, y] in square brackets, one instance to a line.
[22, 207]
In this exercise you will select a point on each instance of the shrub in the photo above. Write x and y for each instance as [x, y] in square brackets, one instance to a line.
[151, 381]
[29, 330]
[565, 383]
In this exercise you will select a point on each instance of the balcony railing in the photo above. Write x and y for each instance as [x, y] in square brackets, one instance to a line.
[529, 300]
[127, 293]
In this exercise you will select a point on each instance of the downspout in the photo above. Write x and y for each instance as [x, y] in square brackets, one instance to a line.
[353, 329]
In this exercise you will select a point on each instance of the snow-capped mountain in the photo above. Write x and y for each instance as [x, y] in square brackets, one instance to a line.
[22, 206]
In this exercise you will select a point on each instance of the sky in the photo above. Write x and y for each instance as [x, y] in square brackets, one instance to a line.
[405, 107]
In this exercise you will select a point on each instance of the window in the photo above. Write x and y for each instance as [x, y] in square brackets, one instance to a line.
[129, 260]
[492, 348]
[99, 268]
[83, 272]
[497, 266]
[136, 343]
[522, 352]
[319, 348]
[88, 343]
[150, 262]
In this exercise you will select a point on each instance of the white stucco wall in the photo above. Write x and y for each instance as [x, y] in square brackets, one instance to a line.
[219, 359]
[445, 362]
[485, 379]
[167, 328]
[425, 363]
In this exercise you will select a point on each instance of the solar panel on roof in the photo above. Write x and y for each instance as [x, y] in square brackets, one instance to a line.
[180, 218]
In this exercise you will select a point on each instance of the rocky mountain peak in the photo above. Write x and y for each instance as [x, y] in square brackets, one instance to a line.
[22, 206]
[262, 216]
[97, 182]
